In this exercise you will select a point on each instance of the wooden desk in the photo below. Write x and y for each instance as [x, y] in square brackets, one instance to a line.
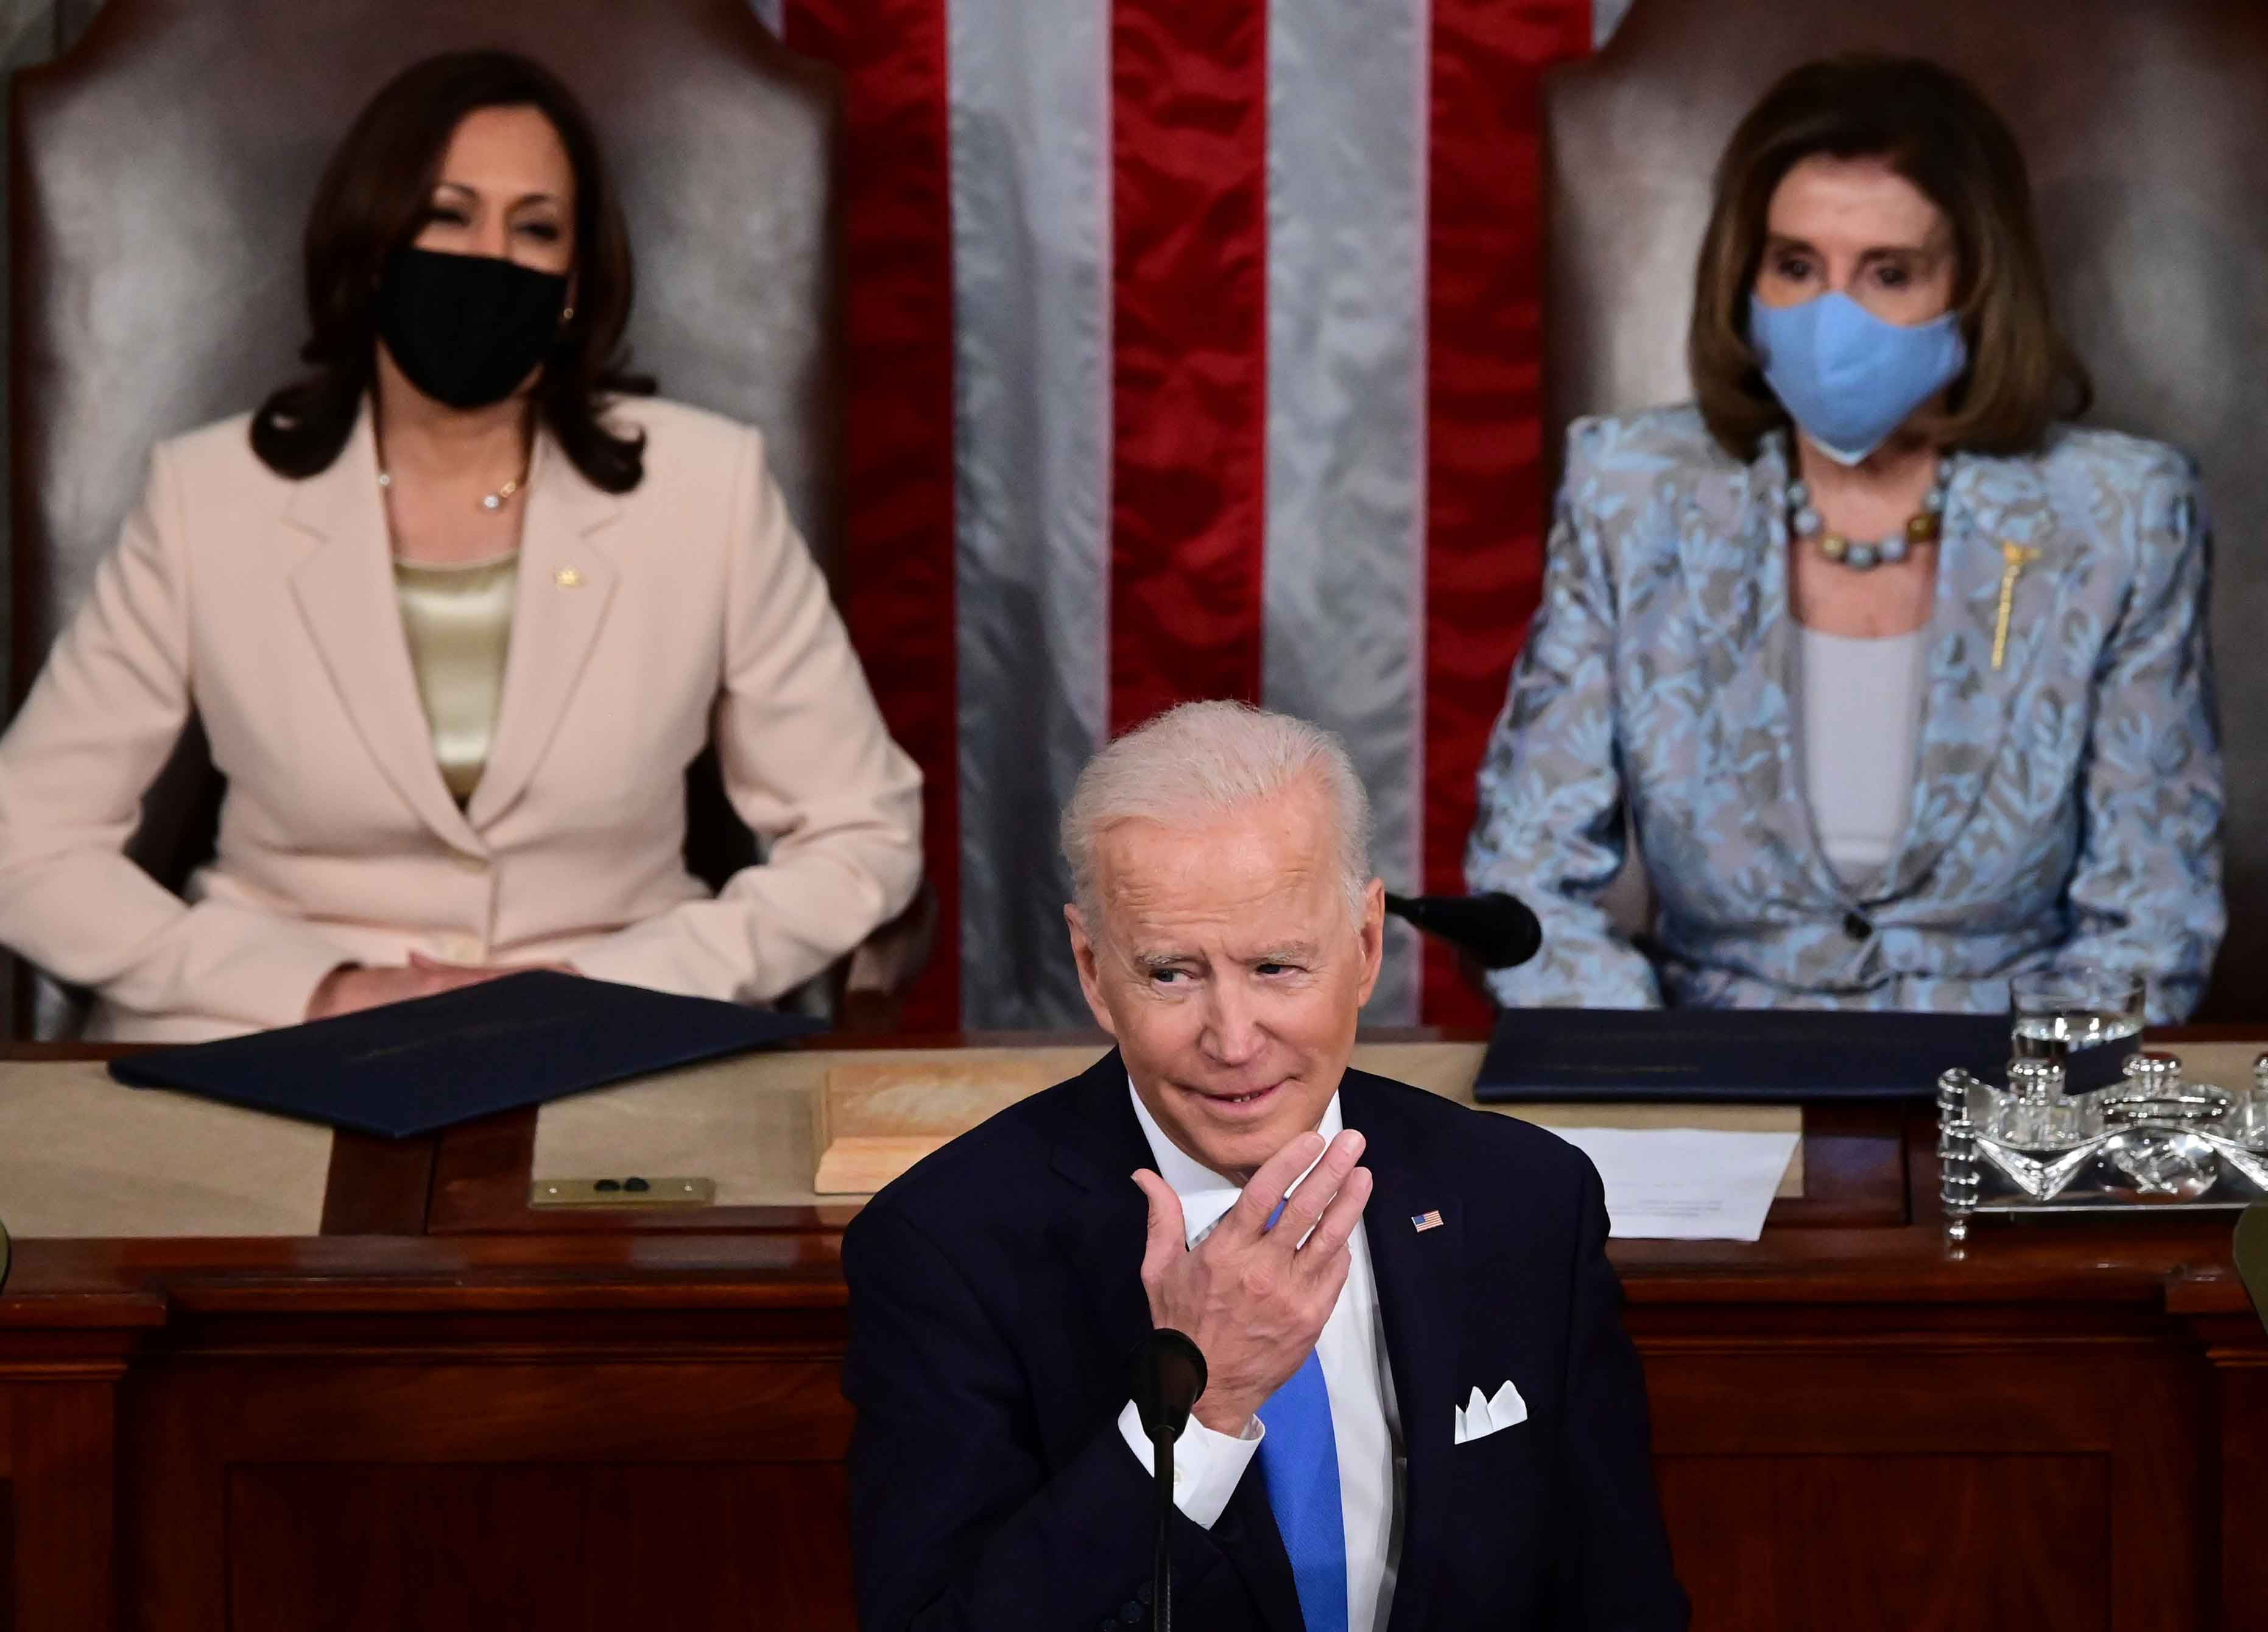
[446, 1412]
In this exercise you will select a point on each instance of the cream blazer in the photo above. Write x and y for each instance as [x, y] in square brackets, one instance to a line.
[646, 623]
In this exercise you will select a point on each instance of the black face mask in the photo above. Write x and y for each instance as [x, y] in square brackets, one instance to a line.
[467, 330]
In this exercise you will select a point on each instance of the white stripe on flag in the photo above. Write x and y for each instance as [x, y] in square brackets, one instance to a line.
[1344, 644]
[1029, 90]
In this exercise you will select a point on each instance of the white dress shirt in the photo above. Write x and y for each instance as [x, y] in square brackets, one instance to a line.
[1352, 1349]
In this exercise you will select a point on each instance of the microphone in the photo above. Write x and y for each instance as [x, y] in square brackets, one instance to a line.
[2252, 1255]
[1169, 1374]
[1495, 929]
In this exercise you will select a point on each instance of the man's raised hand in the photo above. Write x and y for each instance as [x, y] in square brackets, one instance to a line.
[1252, 1298]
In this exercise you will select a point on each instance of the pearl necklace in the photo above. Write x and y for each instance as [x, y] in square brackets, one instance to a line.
[1926, 525]
[489, 501]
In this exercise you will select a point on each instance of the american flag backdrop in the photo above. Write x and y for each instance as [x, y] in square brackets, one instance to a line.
[1194, 352]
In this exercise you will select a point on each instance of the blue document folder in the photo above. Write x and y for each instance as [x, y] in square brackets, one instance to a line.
[411, 1067]
[1759, 1056]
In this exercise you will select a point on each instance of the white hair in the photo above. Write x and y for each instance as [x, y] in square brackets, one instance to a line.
[1204, 760]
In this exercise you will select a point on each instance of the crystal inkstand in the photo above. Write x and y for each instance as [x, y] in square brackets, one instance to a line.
[2153, 1139]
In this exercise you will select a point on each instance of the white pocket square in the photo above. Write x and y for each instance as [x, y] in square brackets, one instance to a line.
[1478, 1418]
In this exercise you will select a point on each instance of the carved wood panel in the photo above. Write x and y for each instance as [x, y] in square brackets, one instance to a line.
[349, 1546]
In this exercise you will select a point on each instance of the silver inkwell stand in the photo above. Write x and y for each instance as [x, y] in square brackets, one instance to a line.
[2152, 1140]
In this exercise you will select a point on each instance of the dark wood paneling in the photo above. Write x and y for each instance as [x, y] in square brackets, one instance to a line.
[1893, 1542]
[62, 1503]
[481, 1173]
[2241, 1371]
[363, 1431]
[7, 1510]
[377, 1185]
[463, 1476]
[1819, 1451]
[7, 1556]
[1854, 1168]
[361, 1547]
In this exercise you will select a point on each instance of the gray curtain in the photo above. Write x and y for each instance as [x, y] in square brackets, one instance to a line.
[30, 31]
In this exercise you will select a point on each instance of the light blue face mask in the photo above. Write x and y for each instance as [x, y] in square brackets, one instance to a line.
[1848, 378]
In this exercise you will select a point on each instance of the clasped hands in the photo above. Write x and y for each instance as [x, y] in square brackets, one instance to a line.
[352, 986]
[1253, 1299]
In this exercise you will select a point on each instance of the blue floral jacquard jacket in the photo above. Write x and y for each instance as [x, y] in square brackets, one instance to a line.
[2066, 806]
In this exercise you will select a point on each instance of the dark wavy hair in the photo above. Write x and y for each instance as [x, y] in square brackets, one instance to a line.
[1934, 128]
[373, 199]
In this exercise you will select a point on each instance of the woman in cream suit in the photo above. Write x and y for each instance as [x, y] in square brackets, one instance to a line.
[1898, 683]
[456, 612]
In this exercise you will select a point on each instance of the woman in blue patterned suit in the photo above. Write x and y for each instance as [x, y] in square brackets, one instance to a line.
[1897, 679]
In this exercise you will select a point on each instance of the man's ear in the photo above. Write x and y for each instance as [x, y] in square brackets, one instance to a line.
[1085, 956]
[1371, 932]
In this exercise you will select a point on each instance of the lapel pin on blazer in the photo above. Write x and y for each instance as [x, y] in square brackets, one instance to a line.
[567, 577]
[2017, 557]
[1423, 1222]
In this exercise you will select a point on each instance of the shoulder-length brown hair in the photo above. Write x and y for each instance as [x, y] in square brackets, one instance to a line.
[373, 198]
[1934, 129]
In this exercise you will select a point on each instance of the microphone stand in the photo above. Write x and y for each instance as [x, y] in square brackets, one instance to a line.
[1161, 1552]
[1169, 1374]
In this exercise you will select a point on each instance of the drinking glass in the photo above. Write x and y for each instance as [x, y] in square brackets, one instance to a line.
[2083, 1020]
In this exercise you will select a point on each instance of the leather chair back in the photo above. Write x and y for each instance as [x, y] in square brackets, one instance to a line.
[2143, 128]
[162, 173]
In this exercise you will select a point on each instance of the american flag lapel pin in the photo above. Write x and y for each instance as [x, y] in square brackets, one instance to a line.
[1423, 1222]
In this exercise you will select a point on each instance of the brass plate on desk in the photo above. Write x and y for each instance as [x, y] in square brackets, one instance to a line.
[628, 1191]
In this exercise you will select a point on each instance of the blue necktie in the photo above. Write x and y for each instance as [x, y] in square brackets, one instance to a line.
[1299, 1463]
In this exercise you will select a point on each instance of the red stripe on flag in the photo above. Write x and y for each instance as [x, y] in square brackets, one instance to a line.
[898, 529]
[1189, 182]
[1485, 502]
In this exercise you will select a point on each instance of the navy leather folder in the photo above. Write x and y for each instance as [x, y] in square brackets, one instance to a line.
[1760, 1055]
[410, 1067]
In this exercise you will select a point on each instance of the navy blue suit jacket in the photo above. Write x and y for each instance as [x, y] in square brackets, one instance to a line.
[997, 1303]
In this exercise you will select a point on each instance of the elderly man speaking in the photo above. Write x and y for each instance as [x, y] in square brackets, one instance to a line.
[1422, 1411]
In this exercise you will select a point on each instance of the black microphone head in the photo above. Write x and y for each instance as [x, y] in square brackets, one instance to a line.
[1496, 929]
[1169, 1375]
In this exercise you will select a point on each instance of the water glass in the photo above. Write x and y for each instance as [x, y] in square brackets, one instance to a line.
[2067, 1015]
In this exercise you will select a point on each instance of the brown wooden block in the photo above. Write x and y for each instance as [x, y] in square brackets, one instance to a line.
[870, 1123]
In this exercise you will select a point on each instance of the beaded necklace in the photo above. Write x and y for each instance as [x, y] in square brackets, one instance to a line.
[1926, 525]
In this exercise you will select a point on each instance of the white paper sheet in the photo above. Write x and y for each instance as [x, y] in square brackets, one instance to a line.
[1684, 1184]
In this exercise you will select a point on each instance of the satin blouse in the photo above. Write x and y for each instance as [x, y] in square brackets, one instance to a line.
[458, 620]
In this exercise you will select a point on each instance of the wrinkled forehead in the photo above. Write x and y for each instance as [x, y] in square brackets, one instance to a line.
[1268, 870]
